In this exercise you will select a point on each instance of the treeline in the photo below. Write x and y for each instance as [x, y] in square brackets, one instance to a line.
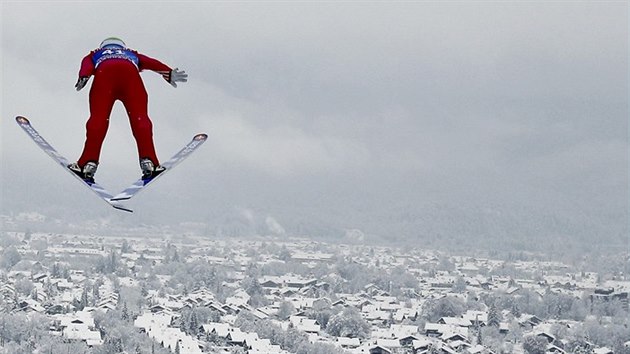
[578, 322]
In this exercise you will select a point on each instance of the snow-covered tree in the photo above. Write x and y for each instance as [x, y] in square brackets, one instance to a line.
[10, 257]
[285, 310]
[348, 323]
[535, 345]
[494, 315]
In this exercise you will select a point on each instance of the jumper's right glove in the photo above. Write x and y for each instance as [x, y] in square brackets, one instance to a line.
[176, 76]
[81, 82]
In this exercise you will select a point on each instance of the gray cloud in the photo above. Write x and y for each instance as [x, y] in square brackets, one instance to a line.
[338, 105]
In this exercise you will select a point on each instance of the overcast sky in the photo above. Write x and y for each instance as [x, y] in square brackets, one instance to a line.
[332, 105]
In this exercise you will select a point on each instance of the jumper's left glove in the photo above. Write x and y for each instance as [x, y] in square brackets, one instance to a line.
[176, 76]
[81, 82]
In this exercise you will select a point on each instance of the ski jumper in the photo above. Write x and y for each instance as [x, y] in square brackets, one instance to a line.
[116, 73]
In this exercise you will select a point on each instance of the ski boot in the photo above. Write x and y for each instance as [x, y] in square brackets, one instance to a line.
[87, 172]
[149, 170]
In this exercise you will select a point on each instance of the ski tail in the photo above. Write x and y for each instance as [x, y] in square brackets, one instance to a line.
[119, 206]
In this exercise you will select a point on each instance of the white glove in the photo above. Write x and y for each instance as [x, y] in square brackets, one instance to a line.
[81, 83]
[176, 76]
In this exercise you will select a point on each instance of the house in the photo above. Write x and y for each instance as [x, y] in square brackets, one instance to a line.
[348, 343]
[554, 349]
[82, 332]
[299, 282]
[476, 317]
[549, 337]
[157, 309]
[312, 257]
[288, 292]
[7, 291]
[55, 309]
[240, 338]
[271, 283]
[202, 295]
[107, 306]
[108, 302]
[408, 341]
[150, 320]
[172, 338]
[377, 349]
[530, 320]
[447, 350]
[269, 310]
[76, 319]
[219, 329]
[239, 298]
[340, 302]
[402, 314]
[322, 286]
[40, 295]
[400, 331]
[385, 299]
[459, 345]
[62, 284]
[454, 321]
[433, 347]
[376, 316]
[259, 314]
[29, 306]
[215, 307]
[260, 346]
[449, 337]
[421, 345]
[229, 309]
[302, 302]
[304, 324]
[40, 278]
[390, 344]
[438, 329]
[190, 303]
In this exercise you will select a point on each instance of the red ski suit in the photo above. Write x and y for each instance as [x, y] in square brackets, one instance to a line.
[117, 77]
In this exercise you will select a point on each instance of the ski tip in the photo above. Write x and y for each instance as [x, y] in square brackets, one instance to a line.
[200, 136]
[22, 120]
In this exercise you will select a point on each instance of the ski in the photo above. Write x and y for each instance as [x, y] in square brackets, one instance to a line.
[106, 196]
[142, 183]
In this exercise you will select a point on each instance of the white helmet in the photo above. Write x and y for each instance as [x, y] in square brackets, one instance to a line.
[112, 41]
